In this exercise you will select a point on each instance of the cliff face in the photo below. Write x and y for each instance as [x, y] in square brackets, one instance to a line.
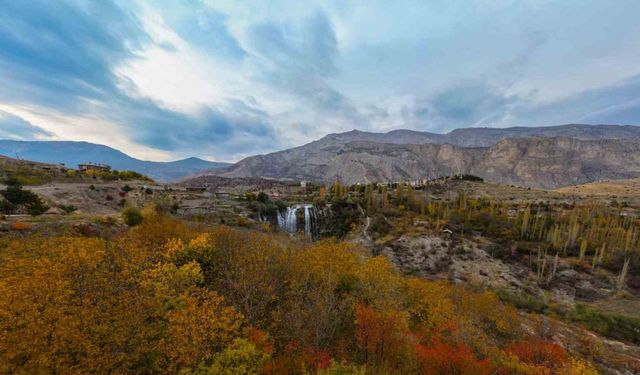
[532, 161]
[556, 162]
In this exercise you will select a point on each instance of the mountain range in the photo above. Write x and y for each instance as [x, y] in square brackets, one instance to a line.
[73, 153]
[544, 157]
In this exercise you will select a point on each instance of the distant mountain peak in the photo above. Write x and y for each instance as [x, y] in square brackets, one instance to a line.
[72, 153]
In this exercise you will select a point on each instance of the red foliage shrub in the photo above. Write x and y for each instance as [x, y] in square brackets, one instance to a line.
[261, 340]
[440, 358]
[297, 360]
[316, 359]
[539, 352]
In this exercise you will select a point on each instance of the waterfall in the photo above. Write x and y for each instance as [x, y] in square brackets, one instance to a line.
[310, 220]
[288, 219]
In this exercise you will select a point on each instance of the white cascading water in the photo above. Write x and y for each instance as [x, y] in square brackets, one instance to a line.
[288, 219]
[310, 219]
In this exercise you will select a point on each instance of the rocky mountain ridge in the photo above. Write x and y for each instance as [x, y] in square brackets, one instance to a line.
[486, 137]
[592, 153]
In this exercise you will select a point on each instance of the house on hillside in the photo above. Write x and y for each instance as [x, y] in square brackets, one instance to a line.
[94, 167]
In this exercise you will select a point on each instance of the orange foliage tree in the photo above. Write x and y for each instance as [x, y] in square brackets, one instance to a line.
[167, 297]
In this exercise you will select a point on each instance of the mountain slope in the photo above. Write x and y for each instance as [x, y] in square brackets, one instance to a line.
[557, 162]
[486, 137]
[74, 153]
[535, 162]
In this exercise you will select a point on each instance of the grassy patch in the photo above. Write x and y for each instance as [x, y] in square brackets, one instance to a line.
[621, 327]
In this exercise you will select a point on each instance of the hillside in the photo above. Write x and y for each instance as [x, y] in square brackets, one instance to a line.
[30, 172]
[73, 153]
[618, 188]
[531, 162]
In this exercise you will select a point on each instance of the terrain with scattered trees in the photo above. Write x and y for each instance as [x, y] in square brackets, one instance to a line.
[455, 276]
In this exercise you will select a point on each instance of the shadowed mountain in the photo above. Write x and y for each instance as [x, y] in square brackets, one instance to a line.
[73, 153]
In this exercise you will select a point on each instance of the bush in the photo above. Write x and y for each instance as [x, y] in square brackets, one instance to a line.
[524, 301]
[540, 353]
[20, 226]
[15, 196]
[263, 197]
[380, 225]
[7, 207]
[68, 208]
[132, 216]
[12, 181]
[37, 208]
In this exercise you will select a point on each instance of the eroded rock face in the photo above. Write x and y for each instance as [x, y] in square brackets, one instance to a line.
[532, 161]
[464, 261]
[456, 260]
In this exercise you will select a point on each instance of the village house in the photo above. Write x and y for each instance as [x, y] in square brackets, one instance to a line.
[86, 167]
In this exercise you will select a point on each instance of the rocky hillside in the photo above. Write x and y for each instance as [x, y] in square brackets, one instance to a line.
[534, 161]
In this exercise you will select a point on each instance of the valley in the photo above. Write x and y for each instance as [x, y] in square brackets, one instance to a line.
[565, 259]
[319, 187]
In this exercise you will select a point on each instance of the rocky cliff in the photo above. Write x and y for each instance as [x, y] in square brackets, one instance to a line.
[532, 161]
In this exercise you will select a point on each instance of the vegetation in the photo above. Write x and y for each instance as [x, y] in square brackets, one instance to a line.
[167, 297]
[17, 199]
[612, 325]
[132, 216]
[262, 205]
[596, 235]
[114, 175]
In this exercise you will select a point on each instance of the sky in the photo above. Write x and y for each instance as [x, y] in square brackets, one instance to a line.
[222, 80]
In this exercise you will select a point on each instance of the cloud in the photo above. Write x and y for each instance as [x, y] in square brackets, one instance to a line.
[65, 56]
[228, 79]
[61, 54]
[208, 128]
[477, 103]
[626, 114]
[465, 104]
[615, 103]
[299, 58]
[14, 127]
[206, 29]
